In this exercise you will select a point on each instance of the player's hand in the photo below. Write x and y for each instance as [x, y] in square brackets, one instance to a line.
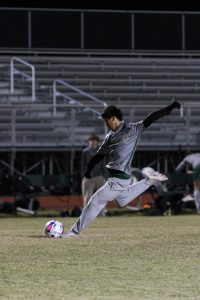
[87, 175]
[176, 104]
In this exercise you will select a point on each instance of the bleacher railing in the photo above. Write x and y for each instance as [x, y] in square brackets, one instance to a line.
[15, 71]
[71, 100]
[80, 28]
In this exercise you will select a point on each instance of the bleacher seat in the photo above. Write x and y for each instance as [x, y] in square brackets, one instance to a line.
[133, 83]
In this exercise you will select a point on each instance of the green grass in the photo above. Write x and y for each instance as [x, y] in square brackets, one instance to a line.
[123, 257]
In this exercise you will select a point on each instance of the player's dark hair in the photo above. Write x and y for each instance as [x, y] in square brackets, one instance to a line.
[112, 111]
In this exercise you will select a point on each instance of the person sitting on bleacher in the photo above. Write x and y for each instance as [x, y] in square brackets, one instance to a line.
[192, 161]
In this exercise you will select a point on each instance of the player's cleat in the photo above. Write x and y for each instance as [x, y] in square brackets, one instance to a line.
[158, 177]
[69, 234]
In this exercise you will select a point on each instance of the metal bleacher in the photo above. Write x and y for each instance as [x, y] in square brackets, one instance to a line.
[138, 85]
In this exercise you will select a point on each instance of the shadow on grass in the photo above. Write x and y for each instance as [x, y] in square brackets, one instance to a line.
[28, 236]
[37, 236]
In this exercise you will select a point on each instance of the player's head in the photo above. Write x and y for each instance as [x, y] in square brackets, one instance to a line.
[113, 116]
[93, 140]
[112, 111]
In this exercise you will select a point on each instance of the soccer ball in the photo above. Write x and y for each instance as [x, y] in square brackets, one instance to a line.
[54, 229]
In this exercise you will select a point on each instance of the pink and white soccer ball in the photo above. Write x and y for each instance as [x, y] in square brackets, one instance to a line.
[54, 229]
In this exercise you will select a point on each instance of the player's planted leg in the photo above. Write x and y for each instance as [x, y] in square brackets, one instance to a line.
[93, 208]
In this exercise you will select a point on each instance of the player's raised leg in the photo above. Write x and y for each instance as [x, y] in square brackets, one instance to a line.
[136, 189]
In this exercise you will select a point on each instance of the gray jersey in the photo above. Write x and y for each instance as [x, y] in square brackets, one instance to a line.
[120, 144]
[192, 160]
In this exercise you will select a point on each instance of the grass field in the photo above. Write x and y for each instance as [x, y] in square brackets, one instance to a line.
[123, 257]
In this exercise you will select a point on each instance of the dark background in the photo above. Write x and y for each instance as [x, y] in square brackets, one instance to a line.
[124, 5]
[102, 30]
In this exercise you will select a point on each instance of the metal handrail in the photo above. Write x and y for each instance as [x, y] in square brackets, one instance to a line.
[128, 13]
[73, 101]
[16, 71]
[104, 52]
[57, 93]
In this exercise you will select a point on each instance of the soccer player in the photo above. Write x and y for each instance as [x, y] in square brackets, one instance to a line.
[119, 147]
[193, 161]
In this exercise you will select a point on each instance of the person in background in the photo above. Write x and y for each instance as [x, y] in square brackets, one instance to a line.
[191, 163]
[90, 185]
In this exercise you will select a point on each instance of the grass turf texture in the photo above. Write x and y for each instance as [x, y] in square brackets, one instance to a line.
[123, 257]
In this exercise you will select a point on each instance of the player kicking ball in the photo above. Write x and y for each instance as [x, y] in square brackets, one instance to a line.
[119, 147]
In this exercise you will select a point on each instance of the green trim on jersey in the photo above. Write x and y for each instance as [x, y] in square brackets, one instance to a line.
[118, 174]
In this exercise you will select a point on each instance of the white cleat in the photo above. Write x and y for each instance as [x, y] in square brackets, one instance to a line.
[158, 177]
[188, 198]
[69, 234]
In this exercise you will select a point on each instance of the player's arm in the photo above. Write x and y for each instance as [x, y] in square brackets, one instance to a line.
[93, 161]
[99, 155]
[156, 115]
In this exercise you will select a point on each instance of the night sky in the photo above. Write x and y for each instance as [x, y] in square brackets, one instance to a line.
[102, 31]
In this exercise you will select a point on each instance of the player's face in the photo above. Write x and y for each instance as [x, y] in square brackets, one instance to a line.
[110, 123]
